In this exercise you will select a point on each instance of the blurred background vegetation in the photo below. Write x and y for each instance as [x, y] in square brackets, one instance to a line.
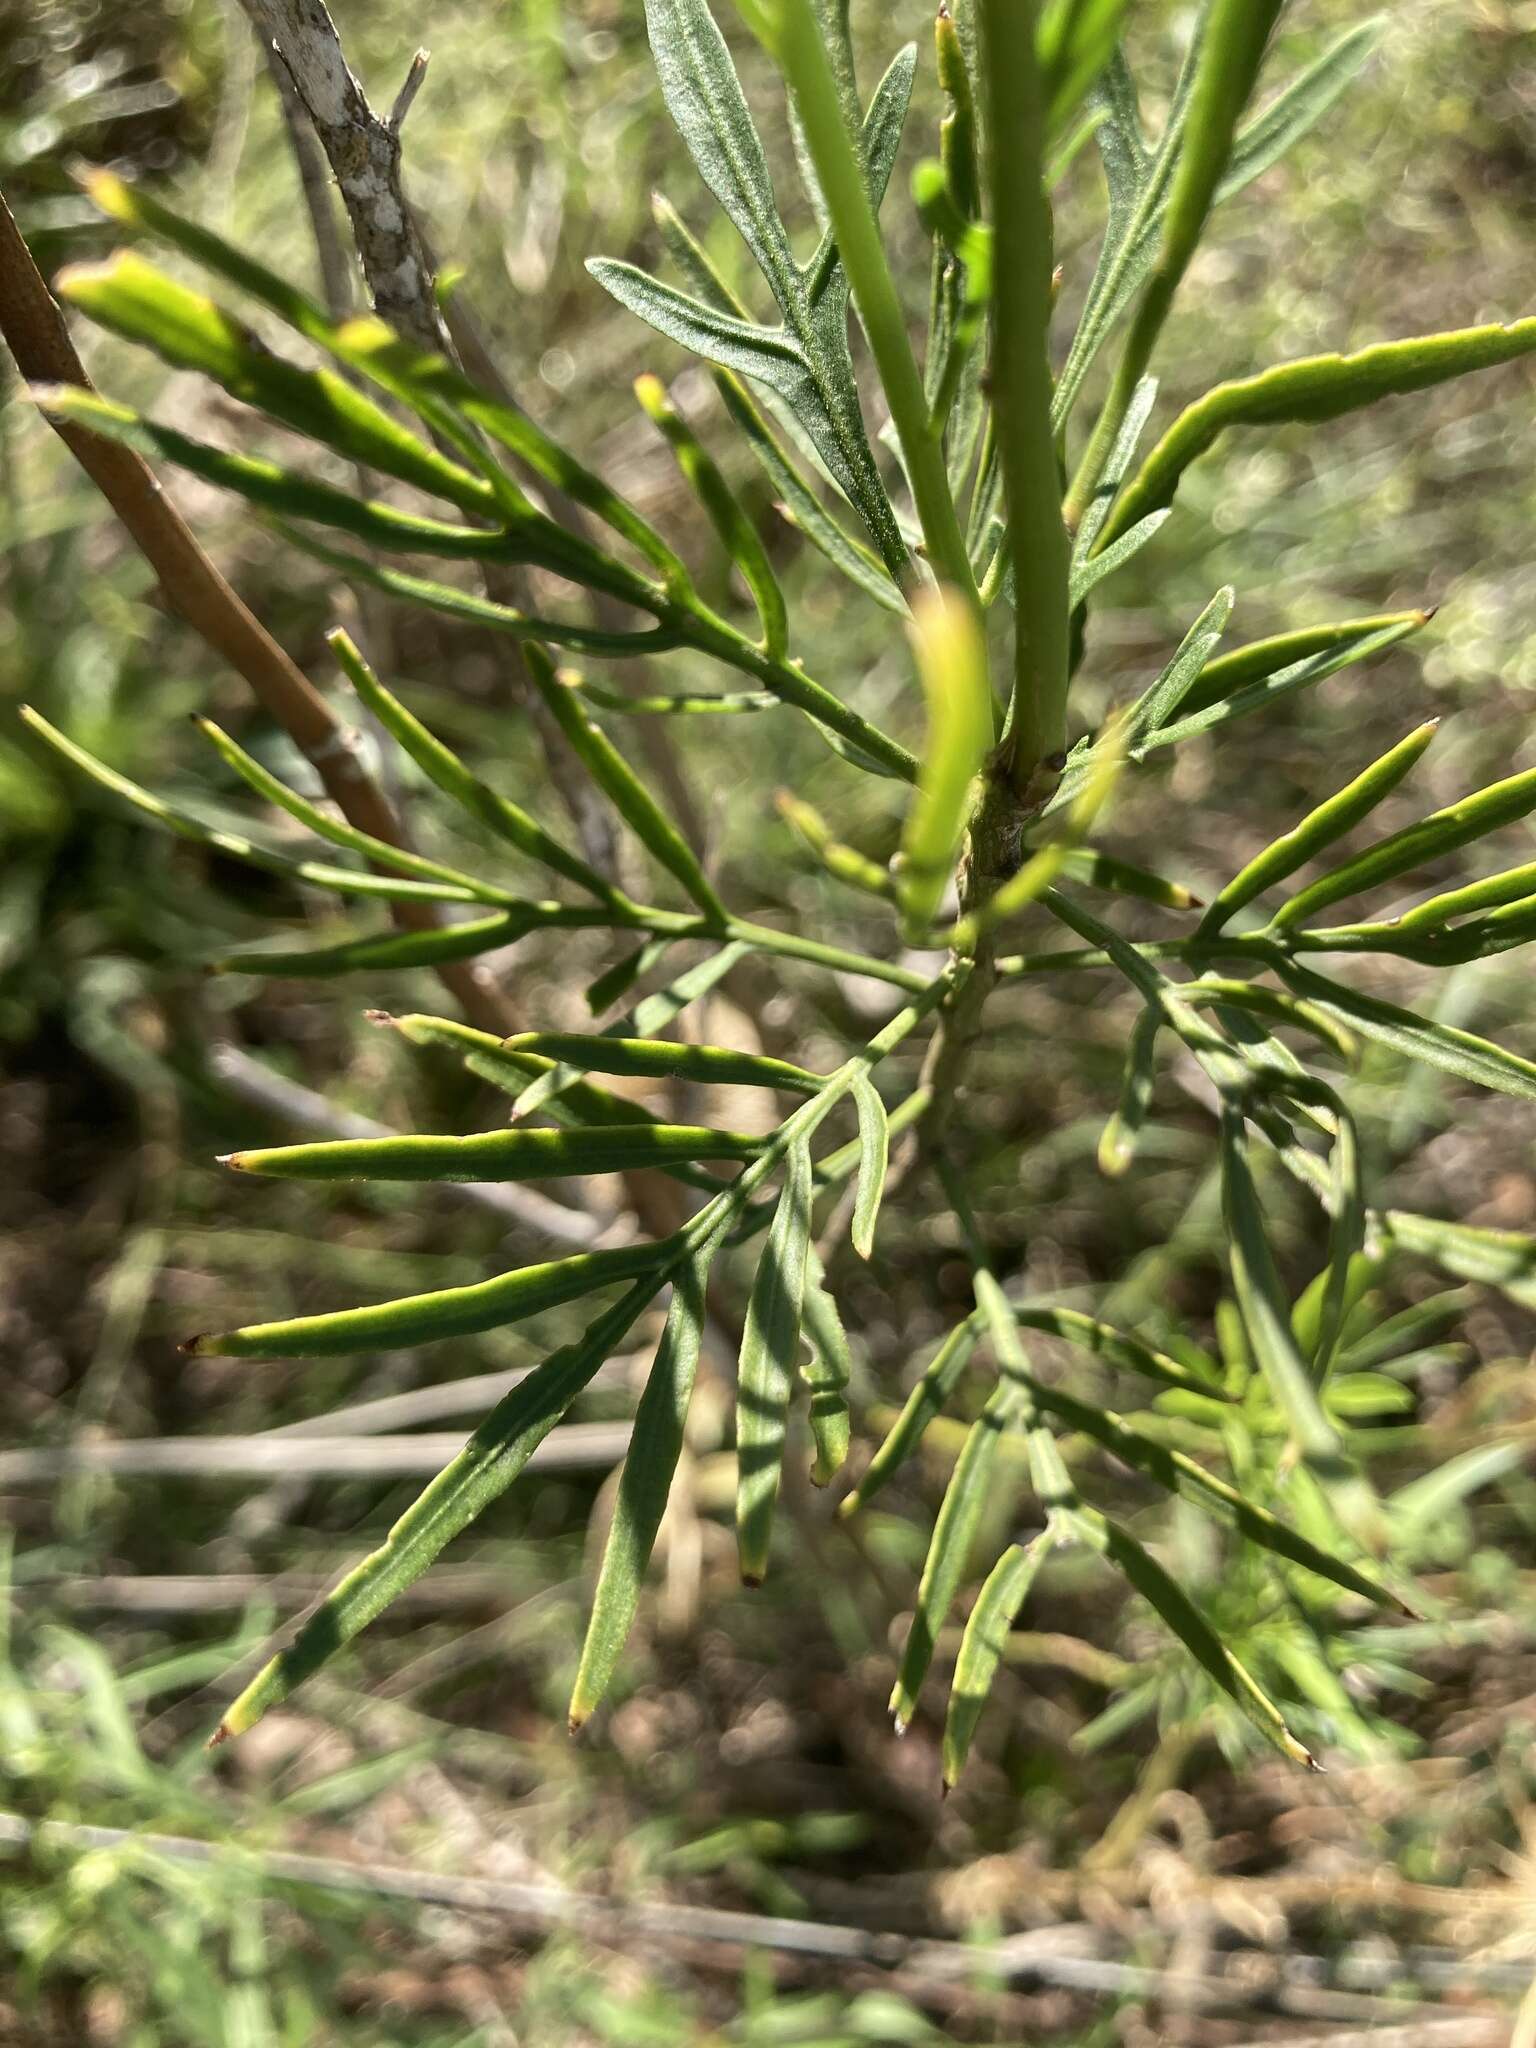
[1129, 1878]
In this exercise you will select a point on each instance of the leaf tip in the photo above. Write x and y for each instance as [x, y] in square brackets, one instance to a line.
[751, 1580]
[220, 1736]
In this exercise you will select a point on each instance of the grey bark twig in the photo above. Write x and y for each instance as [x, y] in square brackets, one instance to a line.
[364, 152]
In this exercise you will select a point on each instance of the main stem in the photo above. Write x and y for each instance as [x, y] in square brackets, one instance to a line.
[1021, 380]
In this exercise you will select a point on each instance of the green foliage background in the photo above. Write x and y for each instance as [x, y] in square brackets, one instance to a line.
[747, 1758]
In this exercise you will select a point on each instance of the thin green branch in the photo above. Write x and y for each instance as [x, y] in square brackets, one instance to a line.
[797, 40]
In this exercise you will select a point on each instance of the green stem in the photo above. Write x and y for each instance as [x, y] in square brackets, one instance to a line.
[1233, 48]
[801, 50]
[1036, 539]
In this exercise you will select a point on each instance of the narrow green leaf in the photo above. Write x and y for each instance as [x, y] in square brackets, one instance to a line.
[738, 536]
[1097, 567]
[496, 1155]
[1328, 822]
[874, 1157]
[952, 663]
[275, 489]
[1296, 110]
[450, 1312]
[652, 1014]
[1223, 66]
[704, 97]
[800, 505]
[1117, 1144]
[826, 1369]
[1113, 475]
[1168, 1599]
[711, 1065]
[985, 1639]
[1123, 878]
[337, 830]
[646, 1482]
[623, 788]
[1177, 1473]
[1266, 1319]
[1074, 40]
[954, 1533]
[489, 1462]
[399, 952]
[132, 298]
[1514, 885]
[1505, 1259]
[1213, 991]
[1116, 1348]
[1156, 706]
[444, 768]
[765, 1373]
[845, 863]
[679, 703]
[925, 1401]
[314, 874]
[1300, 675]
[1260, 659]
[483, 1054]
[1314, 388]
[1453, 1051]
[1458, 824]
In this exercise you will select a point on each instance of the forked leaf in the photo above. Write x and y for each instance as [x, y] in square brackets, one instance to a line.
[652, 1014]
[509, 821]
[1457, 825]
[496, 1155]
[623, 787]
[1445, 1046]
[1157, 705]
[874, 1156]
[984, 1642]
[926, 1400]
[738, 536]
[337, 830]
[449, 1312]
[1168, 1599]
[1314, 388]
[489, 1462]
[1321, 827]
[1266, 1318]
[949, 1549]
[134, 299]
[644, 1486]
[952, 663]
[769, 1360]
[314, 874]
